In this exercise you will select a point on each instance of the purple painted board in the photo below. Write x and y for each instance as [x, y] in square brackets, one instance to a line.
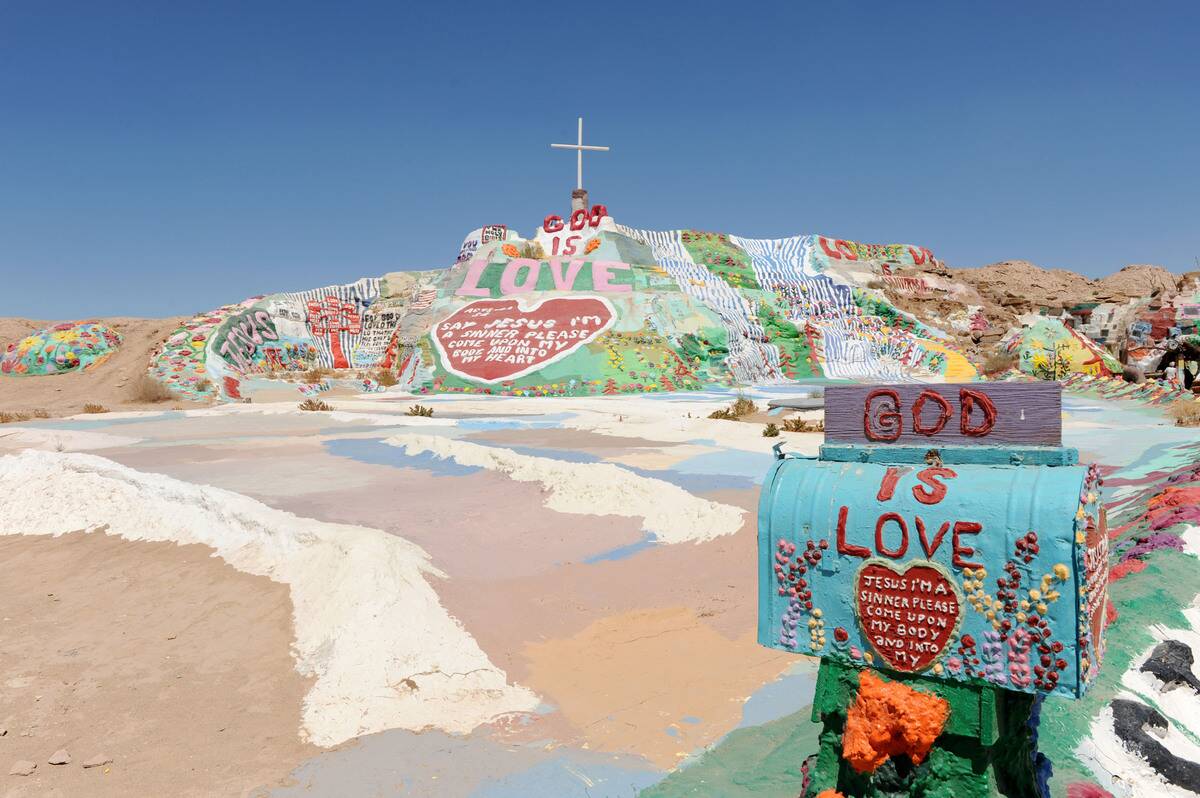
[998, 414]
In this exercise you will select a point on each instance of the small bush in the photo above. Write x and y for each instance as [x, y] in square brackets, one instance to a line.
[741, 407]
[39, 413]
[149, 389]
[315, 404]
[315, 375]
[1186, 412]
[770, 431]
[203, 385]
[92, 407]
[386, 378]
[800, 425]
[999, 362]
[420, 410]
[9, 418]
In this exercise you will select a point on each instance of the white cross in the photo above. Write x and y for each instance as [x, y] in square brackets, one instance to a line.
[579, 148]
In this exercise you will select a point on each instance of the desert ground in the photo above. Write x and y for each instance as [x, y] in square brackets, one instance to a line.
[119, 385]
[513, 597]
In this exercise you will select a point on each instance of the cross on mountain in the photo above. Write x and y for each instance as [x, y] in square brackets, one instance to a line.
[579, 148]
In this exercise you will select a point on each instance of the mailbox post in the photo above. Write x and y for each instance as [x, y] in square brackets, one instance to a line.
[946, 558]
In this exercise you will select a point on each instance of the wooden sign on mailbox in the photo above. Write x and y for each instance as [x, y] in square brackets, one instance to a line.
[942, 531]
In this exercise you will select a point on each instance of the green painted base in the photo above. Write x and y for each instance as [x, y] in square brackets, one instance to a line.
[988, 746]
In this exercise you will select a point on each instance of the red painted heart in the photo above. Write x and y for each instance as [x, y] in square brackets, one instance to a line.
[908, 616]
[490, 340]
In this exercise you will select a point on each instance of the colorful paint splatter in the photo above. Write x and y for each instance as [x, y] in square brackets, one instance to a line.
[689, 309]
[1050, 350]
[71, 346]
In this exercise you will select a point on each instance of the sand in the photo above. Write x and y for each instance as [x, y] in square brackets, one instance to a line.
[369, 626]
[112, 384]
[165, 659]
[614, 680]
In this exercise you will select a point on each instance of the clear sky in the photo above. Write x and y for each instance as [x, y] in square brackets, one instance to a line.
[167, 157]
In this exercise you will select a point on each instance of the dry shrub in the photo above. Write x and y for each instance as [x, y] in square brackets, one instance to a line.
[203, 385]
[315, 375]
[533, 249]
[770, 431]
[1186, 412]
[801, 425]
[741, 407]
[92, 407]
[315, 404]
[998, 363]
[149, 389]
[386, 378]
[9, 418]
[420, 410]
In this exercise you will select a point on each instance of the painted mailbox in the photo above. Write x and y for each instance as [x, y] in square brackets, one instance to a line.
[942, 537]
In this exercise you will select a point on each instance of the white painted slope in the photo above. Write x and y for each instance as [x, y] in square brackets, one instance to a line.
[366, 616]
[1121, 771]
[669, 512]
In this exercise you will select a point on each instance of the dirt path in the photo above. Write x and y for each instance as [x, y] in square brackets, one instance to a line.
[159, 656]
[112, 384]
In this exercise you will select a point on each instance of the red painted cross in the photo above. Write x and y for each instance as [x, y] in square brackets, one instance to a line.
[332, 318]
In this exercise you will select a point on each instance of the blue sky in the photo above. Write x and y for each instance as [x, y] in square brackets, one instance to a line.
[167, 157]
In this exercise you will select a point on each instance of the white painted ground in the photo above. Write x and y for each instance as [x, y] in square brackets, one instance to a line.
[366, 616]
[669, 512]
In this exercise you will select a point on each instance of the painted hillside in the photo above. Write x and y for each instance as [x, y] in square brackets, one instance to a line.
[602, 309]
[587, 306]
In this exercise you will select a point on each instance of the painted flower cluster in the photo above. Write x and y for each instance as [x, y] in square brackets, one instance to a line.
[791, 570]
[1019, 617]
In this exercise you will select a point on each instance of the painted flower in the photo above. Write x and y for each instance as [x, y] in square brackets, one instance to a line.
[592, 246]
[510, 250]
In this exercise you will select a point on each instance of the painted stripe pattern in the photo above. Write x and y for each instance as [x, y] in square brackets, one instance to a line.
[847, 343]
[751, 358]
[334, 317]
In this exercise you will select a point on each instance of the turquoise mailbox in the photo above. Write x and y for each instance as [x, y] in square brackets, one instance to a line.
[942, 532]
[945, 539]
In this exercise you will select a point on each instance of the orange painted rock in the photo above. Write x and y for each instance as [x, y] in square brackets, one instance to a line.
[889, 718]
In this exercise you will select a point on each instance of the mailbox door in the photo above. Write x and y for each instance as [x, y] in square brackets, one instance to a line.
[967, 573]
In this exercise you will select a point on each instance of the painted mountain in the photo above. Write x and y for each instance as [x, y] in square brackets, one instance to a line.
[588, 307]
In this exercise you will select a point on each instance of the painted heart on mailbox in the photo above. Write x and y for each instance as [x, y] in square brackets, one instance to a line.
[908, 615]
[490, 340]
